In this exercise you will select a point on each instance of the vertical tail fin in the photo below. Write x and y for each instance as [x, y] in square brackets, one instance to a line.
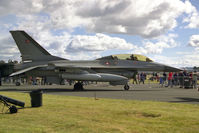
[30, 50]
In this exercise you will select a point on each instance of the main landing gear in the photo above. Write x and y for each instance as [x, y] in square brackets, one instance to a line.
[78, 86]
[126, 87]
[17, 83]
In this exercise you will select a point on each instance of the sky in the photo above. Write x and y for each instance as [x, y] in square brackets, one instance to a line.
[167, 31]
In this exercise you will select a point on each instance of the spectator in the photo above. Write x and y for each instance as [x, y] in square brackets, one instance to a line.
[191, 78]
[170, 77]
[185, 73]
[181, 79]
[194, 76]
[142, 77]
[135, 78]
[0, 78]
[164, 77]
[175, 79]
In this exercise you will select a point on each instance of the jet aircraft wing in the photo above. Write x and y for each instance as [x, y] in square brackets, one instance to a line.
[69, 68]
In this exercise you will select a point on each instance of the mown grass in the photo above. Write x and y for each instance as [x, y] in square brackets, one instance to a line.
[66, 114]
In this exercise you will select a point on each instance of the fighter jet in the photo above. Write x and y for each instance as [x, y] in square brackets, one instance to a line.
[115, 69]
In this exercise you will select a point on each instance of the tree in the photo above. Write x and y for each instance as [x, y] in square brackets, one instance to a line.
[2, 61]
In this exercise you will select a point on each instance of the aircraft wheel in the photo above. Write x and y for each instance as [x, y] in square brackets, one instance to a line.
[126, 87]
[13, 109]
[78, 86]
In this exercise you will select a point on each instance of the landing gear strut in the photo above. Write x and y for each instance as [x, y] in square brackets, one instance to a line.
[78, 86]
[126, 87]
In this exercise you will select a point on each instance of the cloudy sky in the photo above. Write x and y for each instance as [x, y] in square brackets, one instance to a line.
[167, 31]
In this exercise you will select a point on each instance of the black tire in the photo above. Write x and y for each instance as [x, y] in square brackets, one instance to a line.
[75, 87]
[126, 87]
[78, 87]
[13, 109]
[18, 84]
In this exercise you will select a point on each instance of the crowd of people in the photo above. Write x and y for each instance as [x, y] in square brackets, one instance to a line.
[182, 79]
[139, 78]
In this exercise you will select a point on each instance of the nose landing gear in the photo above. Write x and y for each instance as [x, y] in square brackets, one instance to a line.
[126, 87]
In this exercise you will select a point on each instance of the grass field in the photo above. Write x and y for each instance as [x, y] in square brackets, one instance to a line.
[66, 114]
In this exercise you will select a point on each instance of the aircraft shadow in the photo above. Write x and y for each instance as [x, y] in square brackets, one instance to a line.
[16, 90]
[185, 99]
[71, 90]
[85, 90]
[59, 90]
[147, 90]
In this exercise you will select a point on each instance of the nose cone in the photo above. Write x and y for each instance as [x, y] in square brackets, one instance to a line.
[171, 69]
[164, 68]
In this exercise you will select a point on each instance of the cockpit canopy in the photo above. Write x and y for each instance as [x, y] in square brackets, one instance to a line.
[134, 57]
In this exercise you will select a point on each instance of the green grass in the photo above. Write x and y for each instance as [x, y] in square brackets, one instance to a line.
[66, 114]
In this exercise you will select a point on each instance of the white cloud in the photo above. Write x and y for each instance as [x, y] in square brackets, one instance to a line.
[158, 46]
[20, 7]
[193, 16]
[80, 46]
[134, 17]
[99, 42]
[68, 46]
[194, 41]
[8, 49]
[54, 44]
[172, 61]
[43, 18]
[71, 46]
[188, 60]
[83, 55]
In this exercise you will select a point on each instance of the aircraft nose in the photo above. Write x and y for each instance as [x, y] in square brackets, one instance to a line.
[171, 69]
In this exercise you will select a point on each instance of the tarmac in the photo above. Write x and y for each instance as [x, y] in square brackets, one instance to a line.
[145, 92]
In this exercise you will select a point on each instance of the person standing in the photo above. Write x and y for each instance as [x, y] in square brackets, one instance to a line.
[195, 79]
[164, 77]
[0, 78]
[175, 79]
[185, 73]
[142, 77]
[170, 78]
[181, 79]
[135, 78]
